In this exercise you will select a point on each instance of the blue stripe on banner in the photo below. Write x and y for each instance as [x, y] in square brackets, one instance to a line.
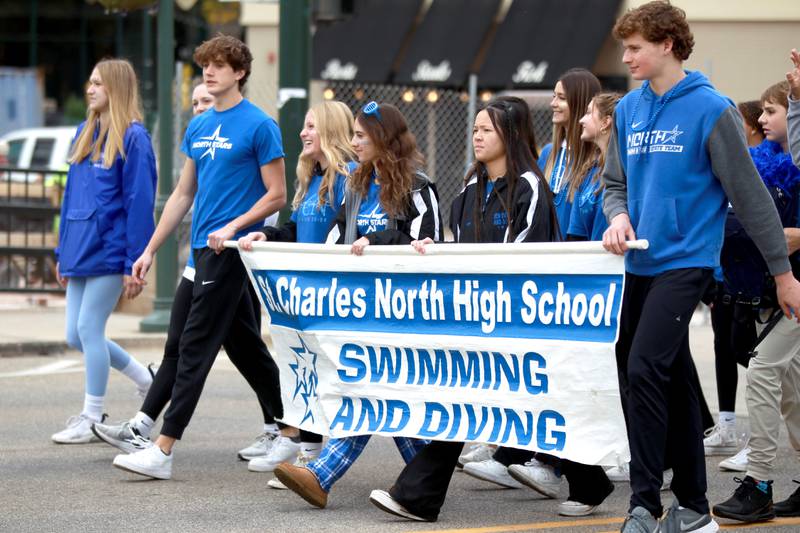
[575, 307]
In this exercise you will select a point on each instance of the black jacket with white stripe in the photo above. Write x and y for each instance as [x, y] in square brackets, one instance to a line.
[421, 219]
[529, 211]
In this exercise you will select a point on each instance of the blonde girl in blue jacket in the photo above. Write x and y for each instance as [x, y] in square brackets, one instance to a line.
[106, 221]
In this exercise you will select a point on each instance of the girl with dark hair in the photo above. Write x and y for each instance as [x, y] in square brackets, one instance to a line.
[562, 166]
[505, 199]
[387, 201]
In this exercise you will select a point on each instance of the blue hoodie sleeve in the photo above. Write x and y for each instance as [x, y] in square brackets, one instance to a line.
[66, 196]
[139, 180]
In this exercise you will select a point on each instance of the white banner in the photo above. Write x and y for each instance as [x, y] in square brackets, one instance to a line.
[510, 344]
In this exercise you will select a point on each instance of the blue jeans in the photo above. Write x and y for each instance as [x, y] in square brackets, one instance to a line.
[338, 456]
[90, 301]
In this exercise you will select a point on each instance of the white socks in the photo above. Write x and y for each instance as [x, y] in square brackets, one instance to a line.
[271, 428]
[727, 419]
[139, 374]
[93, 407]
[143, 424]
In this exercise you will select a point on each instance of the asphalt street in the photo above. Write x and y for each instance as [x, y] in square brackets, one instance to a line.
[48, 487]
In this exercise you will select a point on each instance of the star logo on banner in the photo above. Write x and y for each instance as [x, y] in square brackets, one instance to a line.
[213, 139]
[305, 376]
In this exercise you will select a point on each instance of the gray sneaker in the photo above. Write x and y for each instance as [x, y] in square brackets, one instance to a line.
[682, 520]
[124, 437]
[640, 521]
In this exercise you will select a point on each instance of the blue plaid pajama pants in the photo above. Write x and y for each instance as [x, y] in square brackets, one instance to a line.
[338, 455]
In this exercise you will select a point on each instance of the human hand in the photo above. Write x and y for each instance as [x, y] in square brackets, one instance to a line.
[246, 242]
[358, 247]
[793, 76]
[216, 239]
[131, 287]
[619, 231]
[141, 267]
[61, 279]
[419, 246]
[788, 295]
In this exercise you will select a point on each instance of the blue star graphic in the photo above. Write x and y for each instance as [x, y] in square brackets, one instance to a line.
[213, 138]
[306, 378]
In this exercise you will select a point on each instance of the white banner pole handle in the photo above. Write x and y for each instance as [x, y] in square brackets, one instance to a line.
[574, 246]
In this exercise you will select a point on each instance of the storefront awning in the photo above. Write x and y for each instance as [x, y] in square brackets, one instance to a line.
[540, 39]
[446, 43]
[363, 47]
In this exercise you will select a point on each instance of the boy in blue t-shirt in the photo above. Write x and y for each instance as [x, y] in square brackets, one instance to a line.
[677, 156]
[234, 175]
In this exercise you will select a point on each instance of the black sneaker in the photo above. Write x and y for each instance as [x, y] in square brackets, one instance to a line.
[751, 502]
[790, 506]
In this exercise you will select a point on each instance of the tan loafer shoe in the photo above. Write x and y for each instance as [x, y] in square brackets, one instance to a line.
[301, 481]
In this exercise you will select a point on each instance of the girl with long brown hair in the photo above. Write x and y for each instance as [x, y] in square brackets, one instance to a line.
[387, 201]
[563, 159]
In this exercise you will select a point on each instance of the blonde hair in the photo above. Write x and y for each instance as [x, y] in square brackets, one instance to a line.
[119, 81]
[604, 104]
[334, 124]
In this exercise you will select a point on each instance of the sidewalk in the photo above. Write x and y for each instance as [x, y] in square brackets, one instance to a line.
[29, 328]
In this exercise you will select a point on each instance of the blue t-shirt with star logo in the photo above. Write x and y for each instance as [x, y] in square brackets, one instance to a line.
[371, 215]
[229, 148]
[313, 221]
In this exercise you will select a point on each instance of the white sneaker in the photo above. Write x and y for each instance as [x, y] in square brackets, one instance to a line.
[571, 508]
[384, 501]
[283, 450]
[619, 473]
[540, 477]
[150, 462]
[78, 431]
[260, 447]
[492, 471]
[477, 452]
[124, 436]
[302, 460]
[737, 463]
[721, 440]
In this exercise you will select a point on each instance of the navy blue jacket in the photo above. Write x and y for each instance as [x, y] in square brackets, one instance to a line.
[107, 213]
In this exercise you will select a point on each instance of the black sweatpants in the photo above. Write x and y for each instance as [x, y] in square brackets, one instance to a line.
[221, 310]
[161, 390]
[659, 387]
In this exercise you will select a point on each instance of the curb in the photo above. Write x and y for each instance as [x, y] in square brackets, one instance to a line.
[47, 348]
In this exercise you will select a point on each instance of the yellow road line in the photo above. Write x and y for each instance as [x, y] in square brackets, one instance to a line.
[539, 526]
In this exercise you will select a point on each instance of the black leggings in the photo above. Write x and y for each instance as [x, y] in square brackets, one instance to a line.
[734, 335]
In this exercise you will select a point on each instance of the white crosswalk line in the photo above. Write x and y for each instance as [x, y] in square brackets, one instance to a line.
[62, 366]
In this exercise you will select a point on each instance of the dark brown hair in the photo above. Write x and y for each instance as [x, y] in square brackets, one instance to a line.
[656, 22]
[225, 49]
[397, 158]
[511, 119]
[750, 111]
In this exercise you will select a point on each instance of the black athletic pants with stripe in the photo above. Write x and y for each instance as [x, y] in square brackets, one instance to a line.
[221, 310]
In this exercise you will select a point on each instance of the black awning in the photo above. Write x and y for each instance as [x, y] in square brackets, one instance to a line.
[540, 39]
[446, 42]
[364, 46]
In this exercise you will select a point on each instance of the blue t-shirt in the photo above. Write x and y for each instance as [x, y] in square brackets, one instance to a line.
[312, 221]
[587, 218]
[559, 186]
[229, 148]
[371, 215]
